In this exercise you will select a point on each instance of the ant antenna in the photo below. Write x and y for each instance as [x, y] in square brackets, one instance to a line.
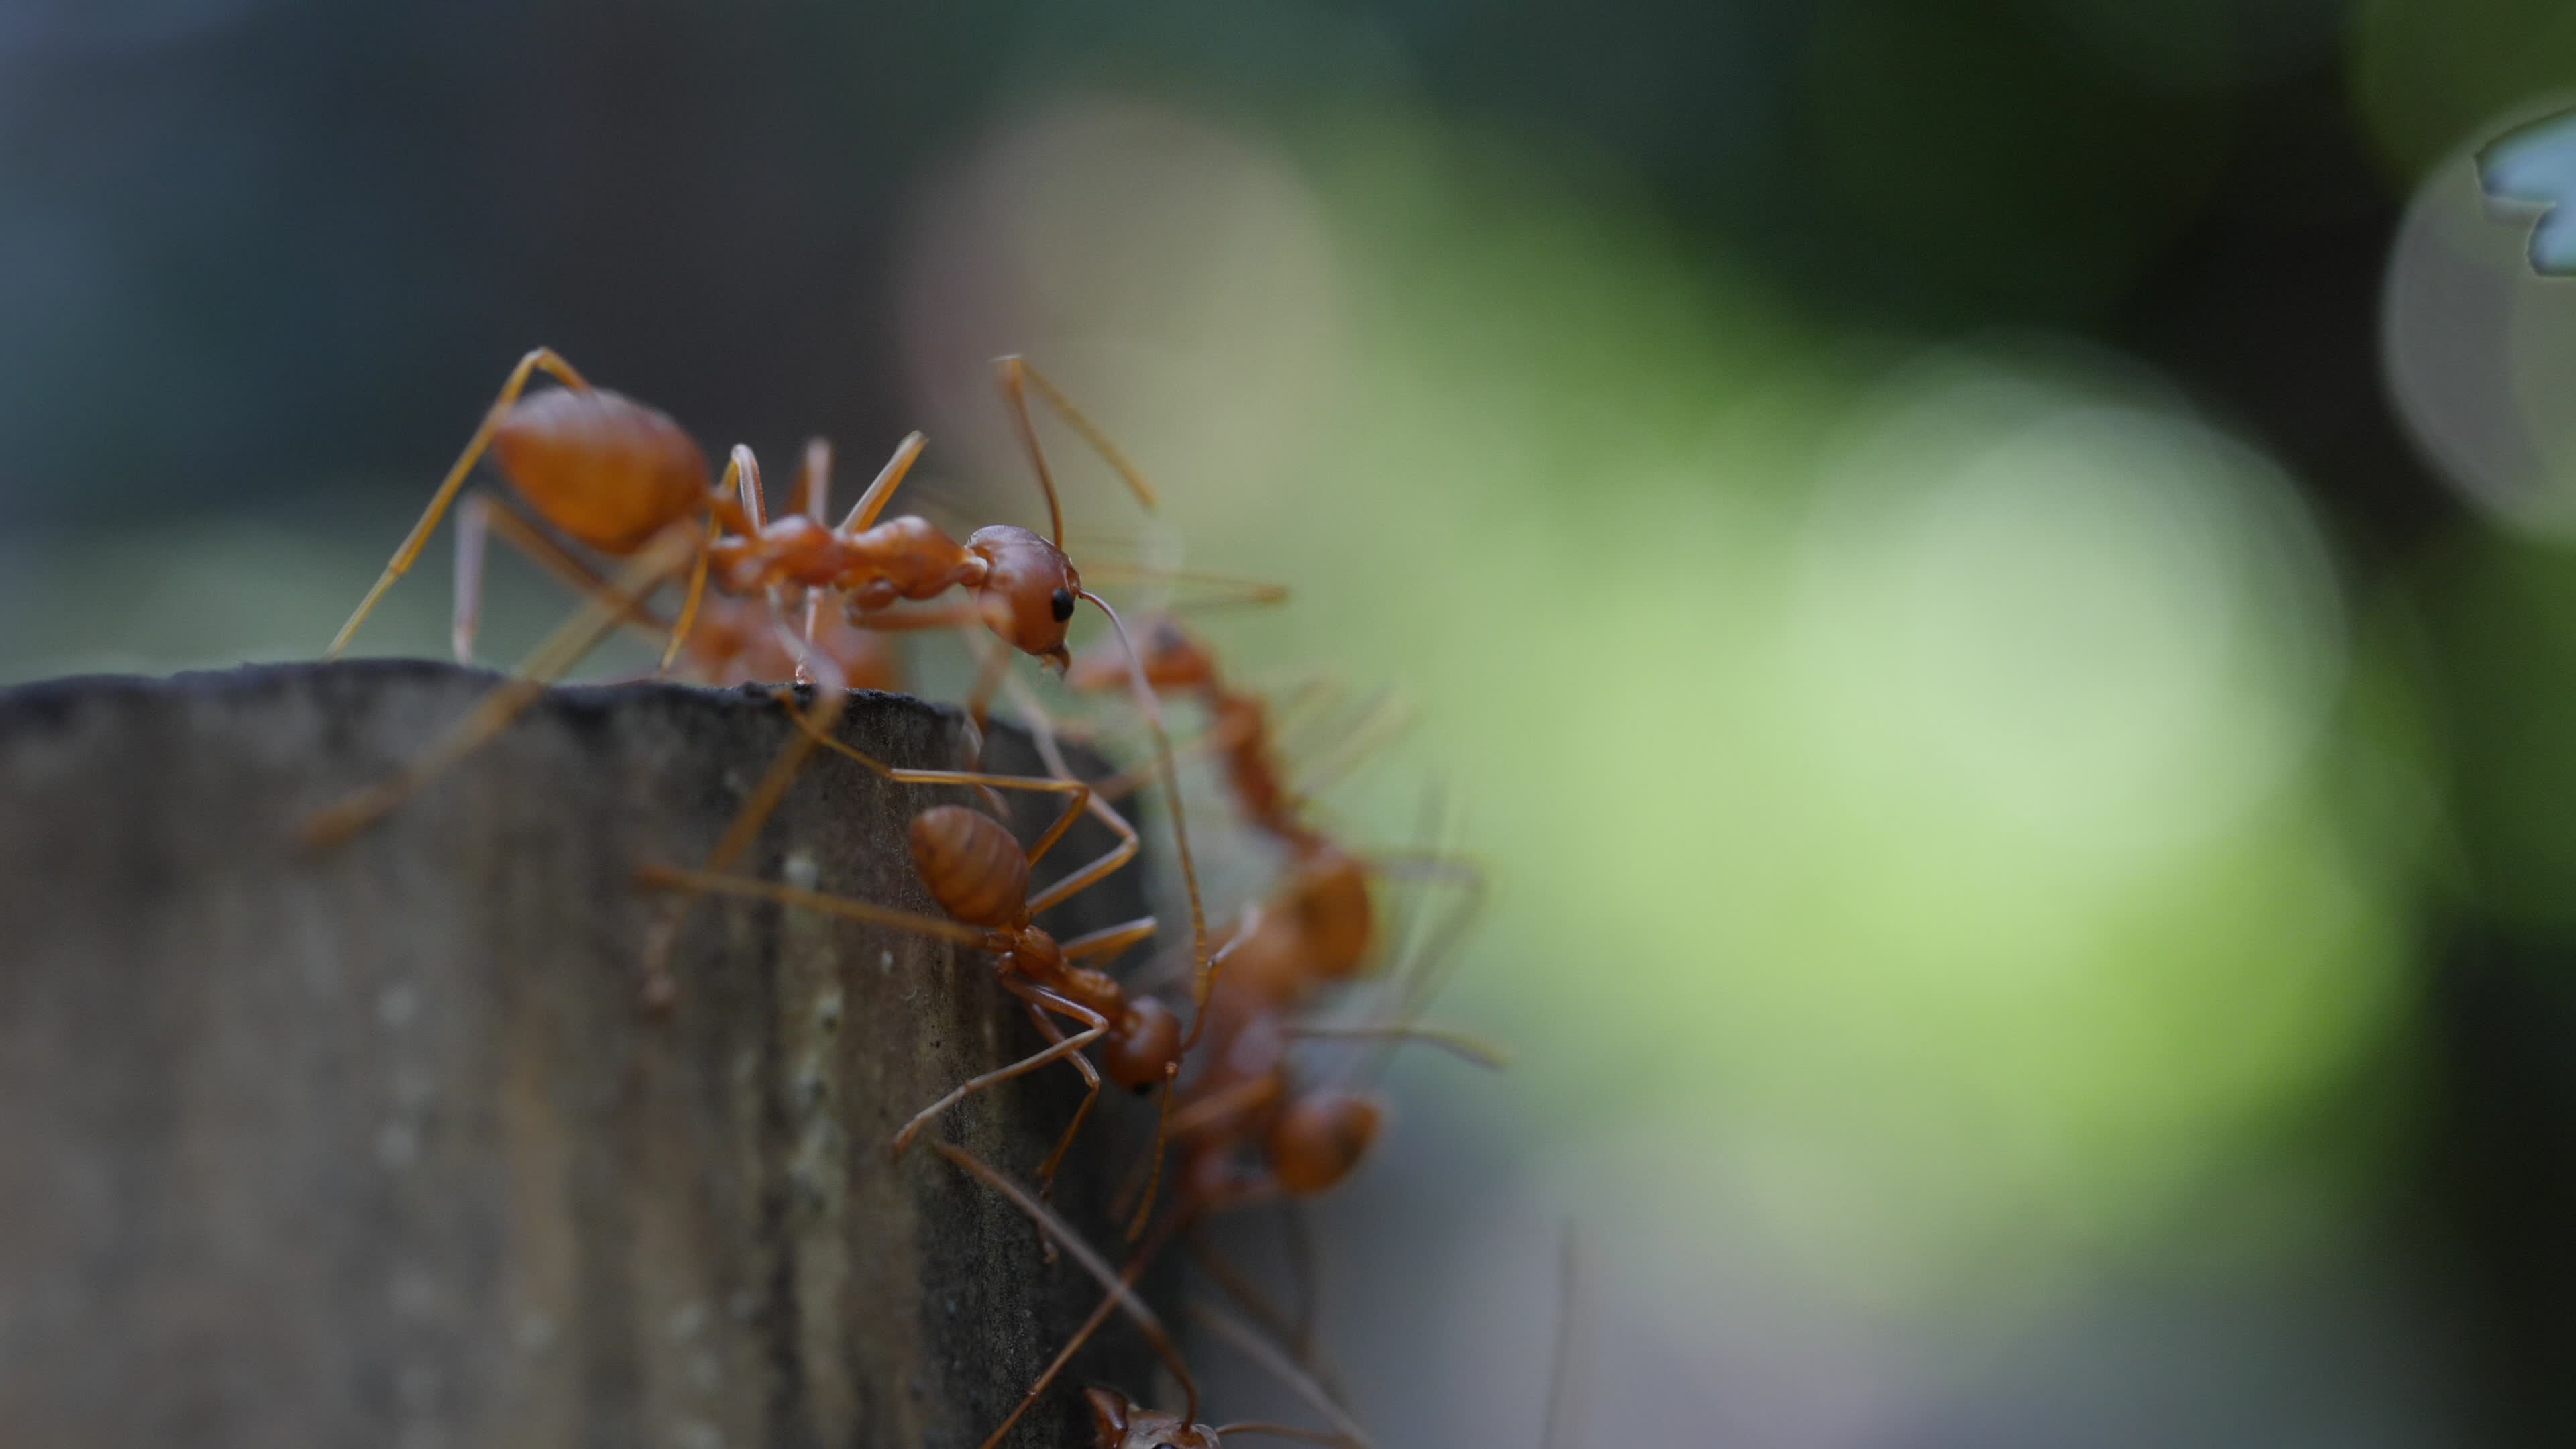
[1013, 370]
[1267, 1354]
[1430, 957]
[1153, 711]
[1121, 1291]
[1280, 1431]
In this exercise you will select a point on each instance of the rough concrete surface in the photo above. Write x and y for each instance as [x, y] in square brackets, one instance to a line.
[374, 1146]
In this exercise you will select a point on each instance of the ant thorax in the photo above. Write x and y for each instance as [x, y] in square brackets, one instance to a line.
[904, 558]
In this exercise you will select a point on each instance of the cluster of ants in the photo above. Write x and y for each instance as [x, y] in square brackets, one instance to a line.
[614, 498]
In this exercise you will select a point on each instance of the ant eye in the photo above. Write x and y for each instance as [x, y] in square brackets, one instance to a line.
[1062, 603]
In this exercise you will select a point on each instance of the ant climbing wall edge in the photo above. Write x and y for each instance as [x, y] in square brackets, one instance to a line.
[374, 1145]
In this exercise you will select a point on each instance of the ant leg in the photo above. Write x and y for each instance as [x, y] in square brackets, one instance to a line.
[742, 474]
[1016, 377]
[547, 662]
[690, 599]
[1206, 1112]
[1278, 1431]
[1312, 704]
[873, 502]
[1383, 717]
[1063, 783]
[1122, 1294]
[1419, 978]
[742, 470]
[991, 669]
[1280, 1366]
[655, 876]
[1108, 940]
[1090, 1096]
[1122, 1289]
[470, 547]
[1154, 1152]
[813, 722]
[542, 359]
[483, 511]
[1082, 800]
[1206, 742]
[1284, 1325]
[814, 487]
[814, 479]
[468, 608]
[1094, 1027]
[1144, 691]
[1042, 733]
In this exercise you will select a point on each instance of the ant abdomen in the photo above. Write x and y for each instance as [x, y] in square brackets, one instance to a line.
[1330, 898]
[972, 866]
[1319, 1138]
[1172, 660]
[1146, 1044]
[604, 468]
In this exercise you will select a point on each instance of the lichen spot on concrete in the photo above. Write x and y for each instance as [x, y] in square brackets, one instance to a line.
[801, 870]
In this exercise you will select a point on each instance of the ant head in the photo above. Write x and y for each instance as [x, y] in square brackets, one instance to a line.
[1320, 1138]
[1146, 1045]
[1173, 659]
[1118, 1423]
[1028, 590]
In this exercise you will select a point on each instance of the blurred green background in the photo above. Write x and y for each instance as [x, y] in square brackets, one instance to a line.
[1990, 577]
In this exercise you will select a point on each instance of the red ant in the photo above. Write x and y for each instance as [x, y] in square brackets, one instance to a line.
[974, 867]
[623, 479]
[1244, 1104]
[979, 874]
